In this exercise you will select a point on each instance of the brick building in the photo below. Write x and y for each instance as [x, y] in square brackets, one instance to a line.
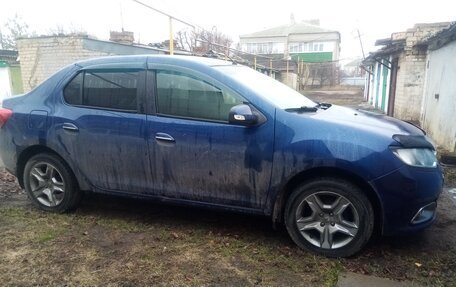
[397, 72]
[42, 56]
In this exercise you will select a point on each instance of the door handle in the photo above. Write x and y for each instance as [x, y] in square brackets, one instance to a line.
[164, 137]
[70, 127]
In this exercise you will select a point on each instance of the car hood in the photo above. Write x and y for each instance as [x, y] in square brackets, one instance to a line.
[367, 120]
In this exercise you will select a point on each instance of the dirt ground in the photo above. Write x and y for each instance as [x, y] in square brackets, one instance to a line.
[113, 241]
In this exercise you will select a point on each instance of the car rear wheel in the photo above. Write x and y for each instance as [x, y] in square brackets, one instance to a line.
[329, 216]
[50, 184]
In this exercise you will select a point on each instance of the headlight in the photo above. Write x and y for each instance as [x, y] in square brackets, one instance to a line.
[421, 157]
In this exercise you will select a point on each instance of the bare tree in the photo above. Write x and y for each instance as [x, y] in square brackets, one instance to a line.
[186, 39]
[202, 41]
[15, 28]
[319, 75]
[60, 29]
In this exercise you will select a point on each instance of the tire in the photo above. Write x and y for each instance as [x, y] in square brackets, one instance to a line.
[329, 216]
[50, 184]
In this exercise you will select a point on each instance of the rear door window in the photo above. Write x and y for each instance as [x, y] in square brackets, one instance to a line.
[117, 90]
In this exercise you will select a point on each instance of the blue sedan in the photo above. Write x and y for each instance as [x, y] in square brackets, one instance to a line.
[211, 133]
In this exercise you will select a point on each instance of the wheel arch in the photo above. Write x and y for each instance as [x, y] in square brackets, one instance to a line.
[282, 197]
[31, 151]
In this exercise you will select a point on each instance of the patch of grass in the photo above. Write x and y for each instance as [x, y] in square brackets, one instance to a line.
[332, 274]
[122, 224]
[449, 172]
[46, 236]
[146, 250]
[18, 213]
[37, 226]
[450, 176]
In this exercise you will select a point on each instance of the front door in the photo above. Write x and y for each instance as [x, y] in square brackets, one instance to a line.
[196, 154]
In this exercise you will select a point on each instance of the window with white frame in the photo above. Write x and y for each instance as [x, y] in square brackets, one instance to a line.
[304, 47]
[263, 48]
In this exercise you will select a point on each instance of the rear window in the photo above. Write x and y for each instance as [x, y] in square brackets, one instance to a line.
[111, 90]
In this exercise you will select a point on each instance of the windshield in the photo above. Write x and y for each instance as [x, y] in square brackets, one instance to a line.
[274, 91]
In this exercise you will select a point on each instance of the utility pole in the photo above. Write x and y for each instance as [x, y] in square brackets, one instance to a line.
[171, 18]
[171, 37]
[361, 43]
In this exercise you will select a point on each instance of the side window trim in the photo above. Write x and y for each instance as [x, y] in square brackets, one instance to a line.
[81, 86]
[151, 92]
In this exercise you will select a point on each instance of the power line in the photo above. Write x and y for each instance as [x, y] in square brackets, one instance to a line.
[271, 59]
[166, 14]
[232, 49]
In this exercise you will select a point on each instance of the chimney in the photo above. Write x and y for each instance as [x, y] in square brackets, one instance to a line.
[124, 37]
[292, 19]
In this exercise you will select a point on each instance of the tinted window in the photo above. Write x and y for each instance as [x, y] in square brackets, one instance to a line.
[186, 96]
[111, 90]
[72, 92]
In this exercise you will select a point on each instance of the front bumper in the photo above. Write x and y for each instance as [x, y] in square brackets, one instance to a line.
[409, 198]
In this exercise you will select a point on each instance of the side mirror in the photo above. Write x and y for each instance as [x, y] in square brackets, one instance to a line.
[242, 115]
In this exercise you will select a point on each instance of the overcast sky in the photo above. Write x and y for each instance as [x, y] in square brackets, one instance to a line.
[374, 19]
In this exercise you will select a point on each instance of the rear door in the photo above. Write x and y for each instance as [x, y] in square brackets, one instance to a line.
[195, 153]
[102, 127]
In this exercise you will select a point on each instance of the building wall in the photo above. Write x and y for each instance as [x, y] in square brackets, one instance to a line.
[312, 57]
[41, 57]
[409, 86]
[289, 79]
[16, 79]
[439, 98]
[329, 41]
[412, 71]
[353, 81]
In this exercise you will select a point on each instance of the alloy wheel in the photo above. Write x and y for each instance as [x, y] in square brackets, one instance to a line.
[327, 220]
[47, 184]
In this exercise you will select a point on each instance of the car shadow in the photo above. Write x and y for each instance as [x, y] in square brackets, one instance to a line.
[149, 211]
[146, 211]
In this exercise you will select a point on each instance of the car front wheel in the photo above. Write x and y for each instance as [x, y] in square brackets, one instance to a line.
[50, 184]
[329, 216]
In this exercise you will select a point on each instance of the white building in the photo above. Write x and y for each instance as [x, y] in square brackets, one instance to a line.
[306, 41]
[438, 108]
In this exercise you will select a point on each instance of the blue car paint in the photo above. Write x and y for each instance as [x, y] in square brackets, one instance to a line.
[217, 164]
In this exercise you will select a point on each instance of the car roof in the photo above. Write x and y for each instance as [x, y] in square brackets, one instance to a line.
[140, 60]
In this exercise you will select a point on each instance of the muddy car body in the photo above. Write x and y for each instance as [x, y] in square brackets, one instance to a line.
[207, 132]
